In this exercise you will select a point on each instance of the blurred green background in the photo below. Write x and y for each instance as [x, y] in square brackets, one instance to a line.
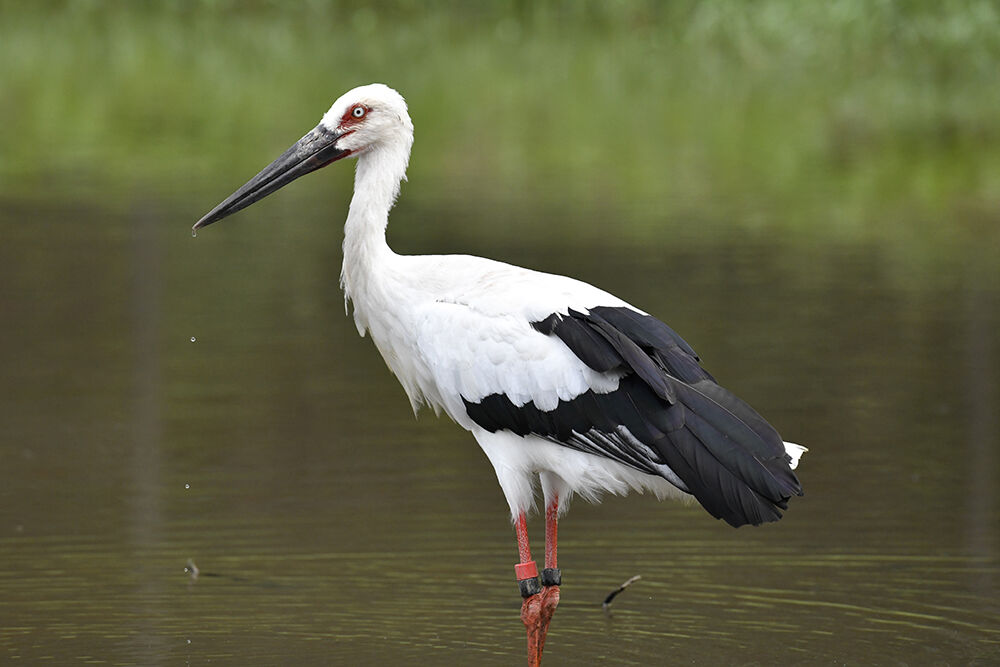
[806, 191]
[845, 118]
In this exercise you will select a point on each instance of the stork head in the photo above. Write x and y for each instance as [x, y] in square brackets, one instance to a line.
[369, 117]
[364, 120]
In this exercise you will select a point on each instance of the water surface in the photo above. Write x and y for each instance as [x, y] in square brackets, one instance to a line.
[277, 453]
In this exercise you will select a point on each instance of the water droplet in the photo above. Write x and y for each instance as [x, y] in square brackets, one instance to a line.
[194, 233]
[187, 486]
[193, 339]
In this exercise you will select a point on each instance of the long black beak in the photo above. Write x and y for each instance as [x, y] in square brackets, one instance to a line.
[316, 149]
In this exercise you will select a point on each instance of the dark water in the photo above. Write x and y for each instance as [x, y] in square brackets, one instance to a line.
[329, 527]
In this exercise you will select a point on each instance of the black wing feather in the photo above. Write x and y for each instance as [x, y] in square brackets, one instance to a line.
[667, 417]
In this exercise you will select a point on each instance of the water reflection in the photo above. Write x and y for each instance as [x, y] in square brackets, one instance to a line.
[280, 456]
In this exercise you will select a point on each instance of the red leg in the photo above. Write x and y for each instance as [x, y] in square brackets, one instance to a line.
[523, 548]
[540, 602]
[527, 580]
[551, 531]
[551, 577]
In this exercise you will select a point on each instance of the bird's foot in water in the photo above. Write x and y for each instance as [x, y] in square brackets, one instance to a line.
[531, 616]
[537, 610]
[550, 600]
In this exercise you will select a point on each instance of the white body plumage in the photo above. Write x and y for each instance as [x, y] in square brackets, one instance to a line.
[459, 327]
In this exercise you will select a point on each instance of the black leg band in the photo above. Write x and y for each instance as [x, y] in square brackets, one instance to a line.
[529, 587]
[551, 576]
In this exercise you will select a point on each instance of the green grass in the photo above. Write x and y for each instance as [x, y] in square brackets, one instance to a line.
[850, 117]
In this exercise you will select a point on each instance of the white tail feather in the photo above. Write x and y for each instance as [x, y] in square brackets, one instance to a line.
[796, 452]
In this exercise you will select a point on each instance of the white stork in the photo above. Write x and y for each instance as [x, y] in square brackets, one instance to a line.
[558, 381]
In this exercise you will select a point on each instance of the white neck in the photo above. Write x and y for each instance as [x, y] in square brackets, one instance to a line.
[366, 253]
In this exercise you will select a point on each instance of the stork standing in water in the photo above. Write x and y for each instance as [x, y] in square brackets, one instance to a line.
[557, 380]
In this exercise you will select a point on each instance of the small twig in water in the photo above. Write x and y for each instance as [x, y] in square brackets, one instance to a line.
[606, 606]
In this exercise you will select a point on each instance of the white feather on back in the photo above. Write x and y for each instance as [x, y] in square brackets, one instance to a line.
[461, 327]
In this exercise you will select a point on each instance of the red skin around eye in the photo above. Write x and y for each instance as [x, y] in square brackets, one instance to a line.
[348, 120]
